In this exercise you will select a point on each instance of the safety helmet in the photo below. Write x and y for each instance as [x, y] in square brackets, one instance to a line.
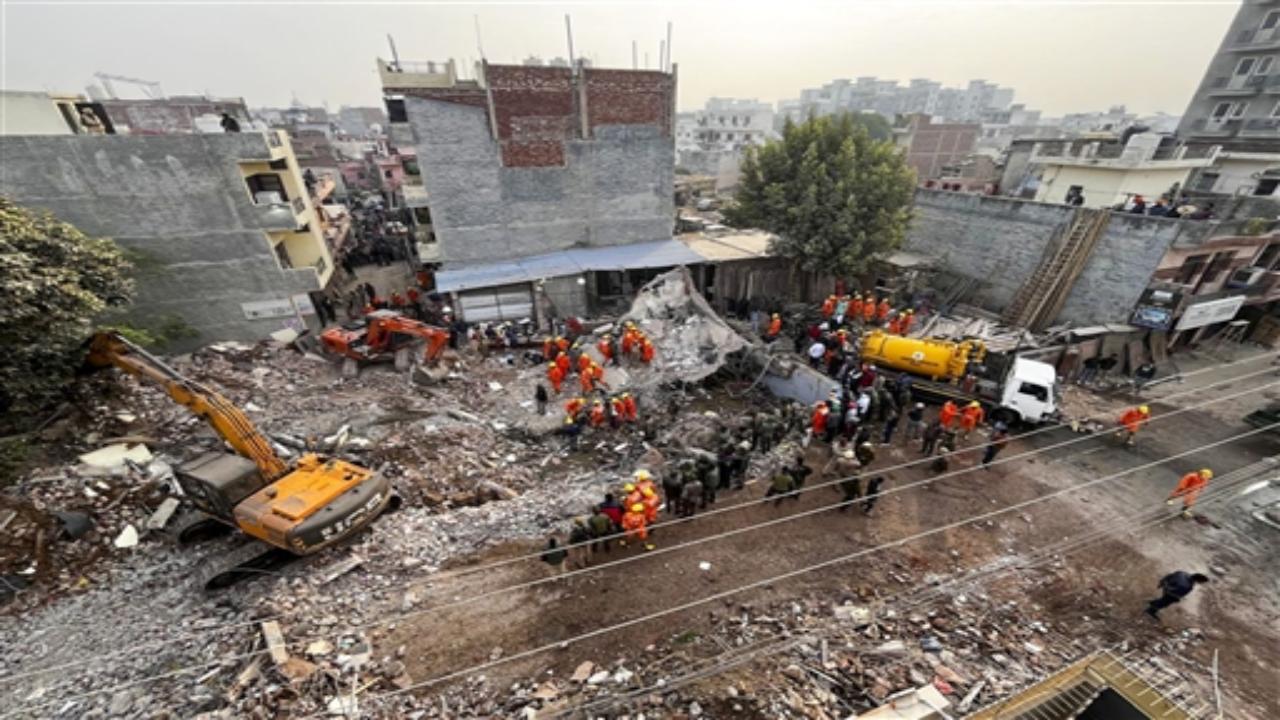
[568, 419]
[626, 394]
[975, 403]
[1206, 473]
[647, 492]
[642, 474]
[637, 508]
[775, 315]
[629, 487]
[909, 311]
[744, 445]
[1144, 410]
[848, 454]
[598, 402]
[919, 406]
[551, 365]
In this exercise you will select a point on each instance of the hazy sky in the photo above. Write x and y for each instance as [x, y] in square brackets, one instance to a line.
[1059, 56]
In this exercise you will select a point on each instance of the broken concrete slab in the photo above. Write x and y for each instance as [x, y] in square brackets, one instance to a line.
[272, 634]
[162, 515]
[113, 457]
[127, 538]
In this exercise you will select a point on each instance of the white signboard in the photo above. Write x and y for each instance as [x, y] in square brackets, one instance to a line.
[1208, 313]
[303, 302]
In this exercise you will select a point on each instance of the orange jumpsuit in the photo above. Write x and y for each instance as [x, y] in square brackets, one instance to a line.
[1188, 489]
[584, 363]
[646, 351]
[819, 419]
[970, 418]
[555, 376]
[597, 372]
[904, 325]
[628, 340]
[562, 344]
[829, 306]
[947, 416]
[606, 349]
[629, 408]
[597, 415]
[855, 308]
[633, 523]
[574, 406]
[895, 326]
[775, 327]
[549, 349]
[651, 503]
[1133, 420]
[587, 381]
[619, 407]
[882, 312]
[562, 362]
[869, 311]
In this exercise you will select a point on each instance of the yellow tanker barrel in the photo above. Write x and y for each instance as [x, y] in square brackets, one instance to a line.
[937, 359]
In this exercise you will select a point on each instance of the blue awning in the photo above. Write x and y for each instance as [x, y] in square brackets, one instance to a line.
[663, 253]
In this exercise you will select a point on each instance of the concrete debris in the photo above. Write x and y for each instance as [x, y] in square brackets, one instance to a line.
[340, 568]
[127, 538]
[161, 516]
[583, 672]
[114, 457]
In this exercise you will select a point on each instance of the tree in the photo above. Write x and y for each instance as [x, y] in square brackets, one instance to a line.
[54, 281]
[835, 197]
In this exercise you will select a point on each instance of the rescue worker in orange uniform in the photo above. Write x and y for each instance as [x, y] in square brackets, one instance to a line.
[895, 325]
[828, 307]
[775, 327]
[631, 495]
[618, 410]
[587, 380]
[575, 406]
[598, 415]
[584, 363]
[630, 412]
[855, 307]
[970, 418]
[1132, 421]
[605, 346]
[818, 422]
[562, 344]
[562, 362]
[646, 350]
[868, 310]
[882, 312]
[634, 525]
[1189, 488]
[905, 320]
[651, 504]
[549, 349]
[597, 373]
[947, 415]
[555, 376]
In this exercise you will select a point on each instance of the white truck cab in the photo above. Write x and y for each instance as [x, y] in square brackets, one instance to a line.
[1030, 392]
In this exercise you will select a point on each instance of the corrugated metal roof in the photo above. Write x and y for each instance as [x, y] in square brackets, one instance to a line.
[721, 248]
[663, 253]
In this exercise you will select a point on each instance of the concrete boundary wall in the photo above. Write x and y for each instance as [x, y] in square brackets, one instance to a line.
[1000, 241]
[180, 204]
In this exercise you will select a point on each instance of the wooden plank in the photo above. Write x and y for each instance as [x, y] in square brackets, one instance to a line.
[275, 642]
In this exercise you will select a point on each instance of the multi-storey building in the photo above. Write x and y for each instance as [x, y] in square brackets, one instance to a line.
[1237, 104]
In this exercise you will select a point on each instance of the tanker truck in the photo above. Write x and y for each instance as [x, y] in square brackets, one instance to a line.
[1011, 388]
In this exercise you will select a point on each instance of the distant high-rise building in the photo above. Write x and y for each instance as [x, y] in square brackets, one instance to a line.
[888, 98]
[1238, 102]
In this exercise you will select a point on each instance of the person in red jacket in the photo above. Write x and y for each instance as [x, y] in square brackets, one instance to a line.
[904, 321]
[584, 363]
[1132, 421]
[587, 381]
[818, 422]
[646, 350]
[575, 406]
[630, 412]
[868, 310]
[947, 415]
[598, 415]
[775, 327]
[828, 307]
[555, 376]
[605, 346]
[562, 362]
[882, 311]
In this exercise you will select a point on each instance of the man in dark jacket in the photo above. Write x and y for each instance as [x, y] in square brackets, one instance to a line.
[1174, 587]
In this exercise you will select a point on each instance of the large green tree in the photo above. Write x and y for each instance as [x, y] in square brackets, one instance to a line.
[835, 197]
[54, 281]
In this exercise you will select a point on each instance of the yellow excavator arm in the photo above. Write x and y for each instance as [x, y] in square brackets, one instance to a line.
[231, 424]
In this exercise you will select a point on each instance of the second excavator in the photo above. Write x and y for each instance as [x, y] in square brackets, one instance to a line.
[284, 508]
[384, 335]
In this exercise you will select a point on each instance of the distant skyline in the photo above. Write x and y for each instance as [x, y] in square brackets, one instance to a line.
[1059, 57]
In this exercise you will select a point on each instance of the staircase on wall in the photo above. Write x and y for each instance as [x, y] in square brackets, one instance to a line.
[1042, 296]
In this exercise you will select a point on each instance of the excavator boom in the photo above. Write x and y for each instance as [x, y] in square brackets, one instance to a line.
[228, 421]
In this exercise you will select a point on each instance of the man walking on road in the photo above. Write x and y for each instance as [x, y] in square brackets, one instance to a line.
[1174, 587]
[999, 439]
[873, 494]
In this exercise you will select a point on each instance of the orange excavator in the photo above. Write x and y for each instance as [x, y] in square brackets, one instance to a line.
[285, 509]
[384, 335]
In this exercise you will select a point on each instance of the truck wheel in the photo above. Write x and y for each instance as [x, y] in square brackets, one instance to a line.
[1011, 418]
[350, 368]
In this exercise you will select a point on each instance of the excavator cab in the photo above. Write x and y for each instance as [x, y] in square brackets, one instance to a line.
[215, 482]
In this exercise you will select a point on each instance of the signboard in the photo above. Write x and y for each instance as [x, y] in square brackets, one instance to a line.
[303, 303]
[1155, 309]
[1208, 313]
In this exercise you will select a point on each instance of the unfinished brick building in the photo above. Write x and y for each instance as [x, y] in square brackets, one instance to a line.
[528, 160]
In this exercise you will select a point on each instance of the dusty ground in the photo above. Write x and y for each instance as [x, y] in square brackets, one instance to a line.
[1087, 599]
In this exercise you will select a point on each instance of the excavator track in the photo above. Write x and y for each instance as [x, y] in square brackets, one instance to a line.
[196, 526]
[250, 560]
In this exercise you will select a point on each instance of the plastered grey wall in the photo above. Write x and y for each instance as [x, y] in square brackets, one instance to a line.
[1000, 241]
[615, 189]
[179, 203]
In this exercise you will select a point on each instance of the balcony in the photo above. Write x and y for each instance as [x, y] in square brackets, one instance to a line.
[1238, 85]
[1216, 127]
[1261, 127]
[1256, 40]
[275, 215]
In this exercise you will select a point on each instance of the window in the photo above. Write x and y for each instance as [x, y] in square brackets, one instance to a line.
[1245, 66]
[1220, 110]
[1220, 263]
[1038, 392]
[1271, 20]
[387, 174]
[1268, 256]
[1191, 267]
[1266, 186]
[262, 184]
[1239, 109]
[1264, 66]
[1206, 181]
[396, 111]
[1275, 111]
